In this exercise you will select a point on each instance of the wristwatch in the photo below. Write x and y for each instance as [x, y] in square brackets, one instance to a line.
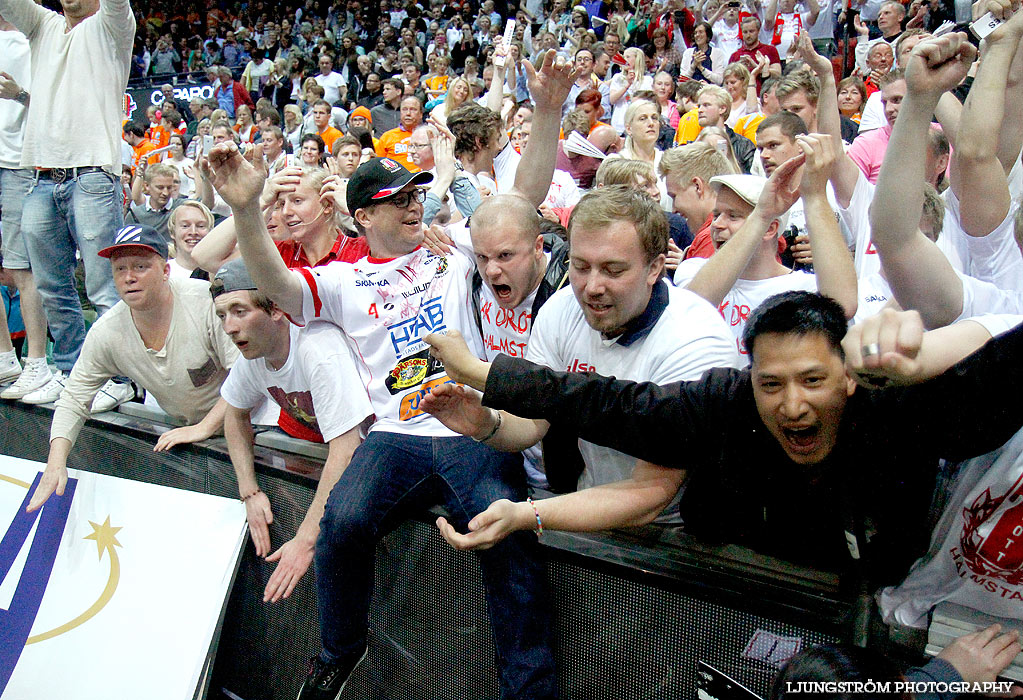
[22, 97]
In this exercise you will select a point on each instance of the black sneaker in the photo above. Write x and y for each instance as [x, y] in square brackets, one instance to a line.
[328, 681]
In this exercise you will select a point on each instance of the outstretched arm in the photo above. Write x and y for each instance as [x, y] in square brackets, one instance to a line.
[977, 176]
[892, 348]
[634, 501]
[845, 173]
[920, 275]
[833, 265]
[238, 433]
[211, 423]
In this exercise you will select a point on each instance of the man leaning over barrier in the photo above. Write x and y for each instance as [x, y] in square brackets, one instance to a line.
[787, 457]
[163, 335]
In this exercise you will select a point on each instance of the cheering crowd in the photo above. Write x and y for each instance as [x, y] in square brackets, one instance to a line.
[749, 270]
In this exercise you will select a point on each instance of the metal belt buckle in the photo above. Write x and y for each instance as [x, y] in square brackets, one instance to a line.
[58, 175]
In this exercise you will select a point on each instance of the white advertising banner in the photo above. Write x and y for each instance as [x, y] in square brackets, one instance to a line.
[113, 590]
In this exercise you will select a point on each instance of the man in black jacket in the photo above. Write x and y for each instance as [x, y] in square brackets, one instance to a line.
[784, 457]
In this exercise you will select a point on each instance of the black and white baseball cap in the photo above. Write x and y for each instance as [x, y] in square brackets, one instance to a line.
[379, 179]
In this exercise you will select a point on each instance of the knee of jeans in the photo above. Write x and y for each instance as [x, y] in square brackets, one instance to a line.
[345, 521]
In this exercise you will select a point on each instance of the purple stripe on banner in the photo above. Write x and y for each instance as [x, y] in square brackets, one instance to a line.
[16, 623]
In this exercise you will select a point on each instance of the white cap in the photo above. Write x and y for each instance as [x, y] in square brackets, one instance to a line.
[748, 187]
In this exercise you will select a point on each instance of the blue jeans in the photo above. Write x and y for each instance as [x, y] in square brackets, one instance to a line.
[390, 477]
[80, 214]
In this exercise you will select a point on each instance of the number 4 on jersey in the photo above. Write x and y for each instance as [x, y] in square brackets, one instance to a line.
[373, 311]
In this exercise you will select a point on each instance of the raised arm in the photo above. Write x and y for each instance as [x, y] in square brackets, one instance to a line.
[845, 172]
[977, 176]
[833, 265]
[549, 88]
[919, 274]
[717, 277]
[240, 184]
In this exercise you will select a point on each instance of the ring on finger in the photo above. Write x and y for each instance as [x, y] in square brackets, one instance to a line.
[870, 349]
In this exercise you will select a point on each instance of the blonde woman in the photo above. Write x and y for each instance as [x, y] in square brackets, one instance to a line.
[244, 126]
[625, 84]
[642, 126]
[292, 126]
[458, 94]
[743, 92]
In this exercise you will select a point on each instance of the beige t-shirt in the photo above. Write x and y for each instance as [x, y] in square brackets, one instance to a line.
[184, 376]
[78, 81]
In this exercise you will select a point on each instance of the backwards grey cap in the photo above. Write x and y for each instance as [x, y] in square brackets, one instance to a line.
[232, 276]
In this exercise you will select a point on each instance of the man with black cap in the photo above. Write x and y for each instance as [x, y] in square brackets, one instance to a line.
[163, 335]
[310, 374]
[386, 304]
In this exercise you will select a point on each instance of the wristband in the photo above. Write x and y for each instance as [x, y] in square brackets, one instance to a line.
[539, 525]
[492, 433]
[243, 499]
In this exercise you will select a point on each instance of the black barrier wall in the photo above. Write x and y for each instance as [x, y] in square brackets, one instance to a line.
[632, 616]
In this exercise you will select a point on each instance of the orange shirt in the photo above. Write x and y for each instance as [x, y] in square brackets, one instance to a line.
[688, 128]
[329, 136]
[158, 135]
[437, 84]
[394, 144]
[140, 151]
[747, 126]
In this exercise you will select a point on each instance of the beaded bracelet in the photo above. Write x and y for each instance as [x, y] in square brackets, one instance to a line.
[245, 498]
[539, 524]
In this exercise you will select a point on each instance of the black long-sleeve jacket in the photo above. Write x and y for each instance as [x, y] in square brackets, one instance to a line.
[744, 489]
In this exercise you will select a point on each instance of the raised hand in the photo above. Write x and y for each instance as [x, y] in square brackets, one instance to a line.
[782, 188]
[821, 154]
[939, 64]
[233, 177]
[549, 87]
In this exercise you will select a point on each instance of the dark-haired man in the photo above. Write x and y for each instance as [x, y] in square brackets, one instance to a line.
[787, 456]
[387, 115]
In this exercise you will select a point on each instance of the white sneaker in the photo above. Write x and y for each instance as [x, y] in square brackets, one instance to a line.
[35, 376]
[9, 366]
[111, 396]
[49, 392]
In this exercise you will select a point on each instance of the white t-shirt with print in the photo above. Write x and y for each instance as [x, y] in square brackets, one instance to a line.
[688, 339]
[746, 295]
[386, 308]
[994, 258]
[318, 387]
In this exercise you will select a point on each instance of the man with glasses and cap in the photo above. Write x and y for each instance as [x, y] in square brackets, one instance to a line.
[163, 335]
[386, 304]
[307, 371]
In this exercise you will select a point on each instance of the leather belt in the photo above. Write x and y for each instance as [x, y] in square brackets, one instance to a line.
[59, 175]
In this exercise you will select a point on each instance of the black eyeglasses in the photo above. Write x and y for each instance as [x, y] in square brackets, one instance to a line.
[403, 199]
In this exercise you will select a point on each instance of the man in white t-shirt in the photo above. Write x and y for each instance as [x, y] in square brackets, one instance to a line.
[330, 80]
[748, 215]
[310, 374]
[920, 276]
[619, 319]
[386, 304]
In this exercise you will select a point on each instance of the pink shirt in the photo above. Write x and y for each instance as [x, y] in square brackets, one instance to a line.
[868, 150]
